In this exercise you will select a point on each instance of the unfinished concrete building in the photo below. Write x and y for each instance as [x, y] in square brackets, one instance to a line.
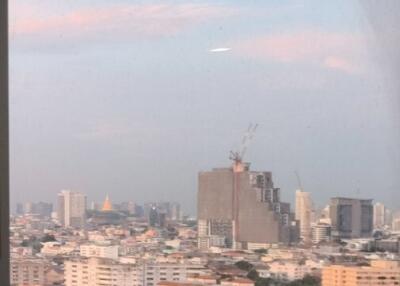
[241, 209]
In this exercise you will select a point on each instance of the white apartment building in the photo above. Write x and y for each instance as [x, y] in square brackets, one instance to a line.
[379, 215]
[288, 271]
[71, 209]
[100, 272]
[155, 272]
[53, 248]
[99, 250]
[27, 272]
[109, 272]
[321, 232]
[303, 212]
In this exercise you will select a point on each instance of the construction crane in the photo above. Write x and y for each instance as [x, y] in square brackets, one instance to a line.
[298, 181]
[237, 156]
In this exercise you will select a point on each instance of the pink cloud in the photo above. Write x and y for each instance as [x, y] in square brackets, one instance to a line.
[312, 47]
[144, 19]
[341, 64]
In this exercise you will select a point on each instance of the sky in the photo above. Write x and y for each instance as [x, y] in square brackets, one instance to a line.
[134, 98]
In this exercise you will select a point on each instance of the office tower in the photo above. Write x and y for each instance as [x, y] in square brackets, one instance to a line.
[41, 208]
[28, 208]
[129, 207]
[171, 210]
[304, 209]
[380, 272]
[388, 217]
[153, 217]
[320, 232]
[379, 215]
[241, 208]
[94, 206]
[175, 211]
[351, 218]
[71, 210]
[396, 221]
[139, 211]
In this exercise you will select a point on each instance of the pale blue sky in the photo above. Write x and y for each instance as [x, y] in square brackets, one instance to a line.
[124, 97]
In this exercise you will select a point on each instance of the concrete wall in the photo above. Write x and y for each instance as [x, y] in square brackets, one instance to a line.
[257, 222]
[214, 198]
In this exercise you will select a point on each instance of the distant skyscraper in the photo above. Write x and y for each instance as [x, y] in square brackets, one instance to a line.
[351, 218]
[241, 208]
[379, 215]
[304, 210]
[129, 207]
[71, 210]
[41, 208]
[175, 211]
[153, 216]
[172, 210]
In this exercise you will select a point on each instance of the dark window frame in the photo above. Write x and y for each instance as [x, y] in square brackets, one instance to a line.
[4, 148]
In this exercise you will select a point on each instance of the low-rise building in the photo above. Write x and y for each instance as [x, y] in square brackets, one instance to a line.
[99, 250]
[288, 270]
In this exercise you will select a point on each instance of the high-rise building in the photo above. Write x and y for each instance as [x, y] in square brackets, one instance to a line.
[27, 272]
[396, 224]
[153, 217]
[304, 210]
[351, 218]
[242, 208]
[388, 217]
[379, 215]
[71, 210]
[172, 210]
[321, 232]
[100, 271]
[128, 207]
[175, 212]
[41, 208]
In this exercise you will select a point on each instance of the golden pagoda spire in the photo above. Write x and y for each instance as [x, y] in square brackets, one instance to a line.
[107, 206]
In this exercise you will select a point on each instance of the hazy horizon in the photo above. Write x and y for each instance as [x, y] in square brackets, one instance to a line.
[134, 98]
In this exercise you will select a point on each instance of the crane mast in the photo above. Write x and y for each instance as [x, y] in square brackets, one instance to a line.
[238, 168]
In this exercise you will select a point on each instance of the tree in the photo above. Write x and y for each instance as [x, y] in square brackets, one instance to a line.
[261, 251]
[253, 275]
[47, 238]
[264, 282]
[244, 265]
[308, 280]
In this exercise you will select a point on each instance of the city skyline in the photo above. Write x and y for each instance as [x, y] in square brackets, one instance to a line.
[126, 155]
[170, 100]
